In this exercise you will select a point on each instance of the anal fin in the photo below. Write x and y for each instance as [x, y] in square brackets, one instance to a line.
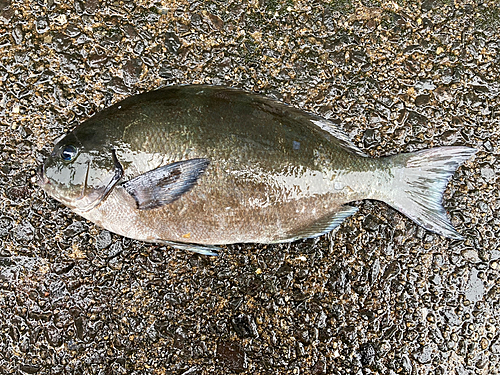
[322, 226]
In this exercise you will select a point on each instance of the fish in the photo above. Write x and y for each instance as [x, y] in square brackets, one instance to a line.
[199, 166]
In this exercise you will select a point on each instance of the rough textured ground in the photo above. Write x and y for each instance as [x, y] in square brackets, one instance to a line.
[379, 296]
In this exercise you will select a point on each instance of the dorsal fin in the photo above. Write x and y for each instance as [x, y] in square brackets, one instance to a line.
[344, 140]
[340, 137]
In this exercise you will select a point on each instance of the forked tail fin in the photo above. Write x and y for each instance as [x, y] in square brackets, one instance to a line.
[419, 183]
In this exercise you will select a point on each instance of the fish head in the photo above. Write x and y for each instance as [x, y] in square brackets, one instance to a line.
[81, 170]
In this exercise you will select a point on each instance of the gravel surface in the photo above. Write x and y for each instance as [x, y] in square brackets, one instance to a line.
[378, 296]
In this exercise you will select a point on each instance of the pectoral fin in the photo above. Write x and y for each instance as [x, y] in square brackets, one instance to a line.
[165, 184]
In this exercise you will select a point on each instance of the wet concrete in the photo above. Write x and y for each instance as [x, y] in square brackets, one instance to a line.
[378, 296]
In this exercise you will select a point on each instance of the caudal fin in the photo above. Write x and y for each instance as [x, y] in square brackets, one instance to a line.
[420, 180]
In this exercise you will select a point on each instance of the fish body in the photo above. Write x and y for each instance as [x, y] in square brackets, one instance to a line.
[197, 166]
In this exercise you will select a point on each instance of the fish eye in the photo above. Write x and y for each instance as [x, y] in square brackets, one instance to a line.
[68, 153]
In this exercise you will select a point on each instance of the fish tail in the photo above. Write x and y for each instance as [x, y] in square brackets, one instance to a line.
[420, 179]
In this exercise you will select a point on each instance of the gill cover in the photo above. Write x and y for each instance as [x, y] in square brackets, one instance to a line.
[93, 194]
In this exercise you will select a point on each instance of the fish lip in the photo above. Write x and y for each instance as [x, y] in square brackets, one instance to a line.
[42, 178]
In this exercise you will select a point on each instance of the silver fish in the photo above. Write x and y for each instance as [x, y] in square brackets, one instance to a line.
[198, 166]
